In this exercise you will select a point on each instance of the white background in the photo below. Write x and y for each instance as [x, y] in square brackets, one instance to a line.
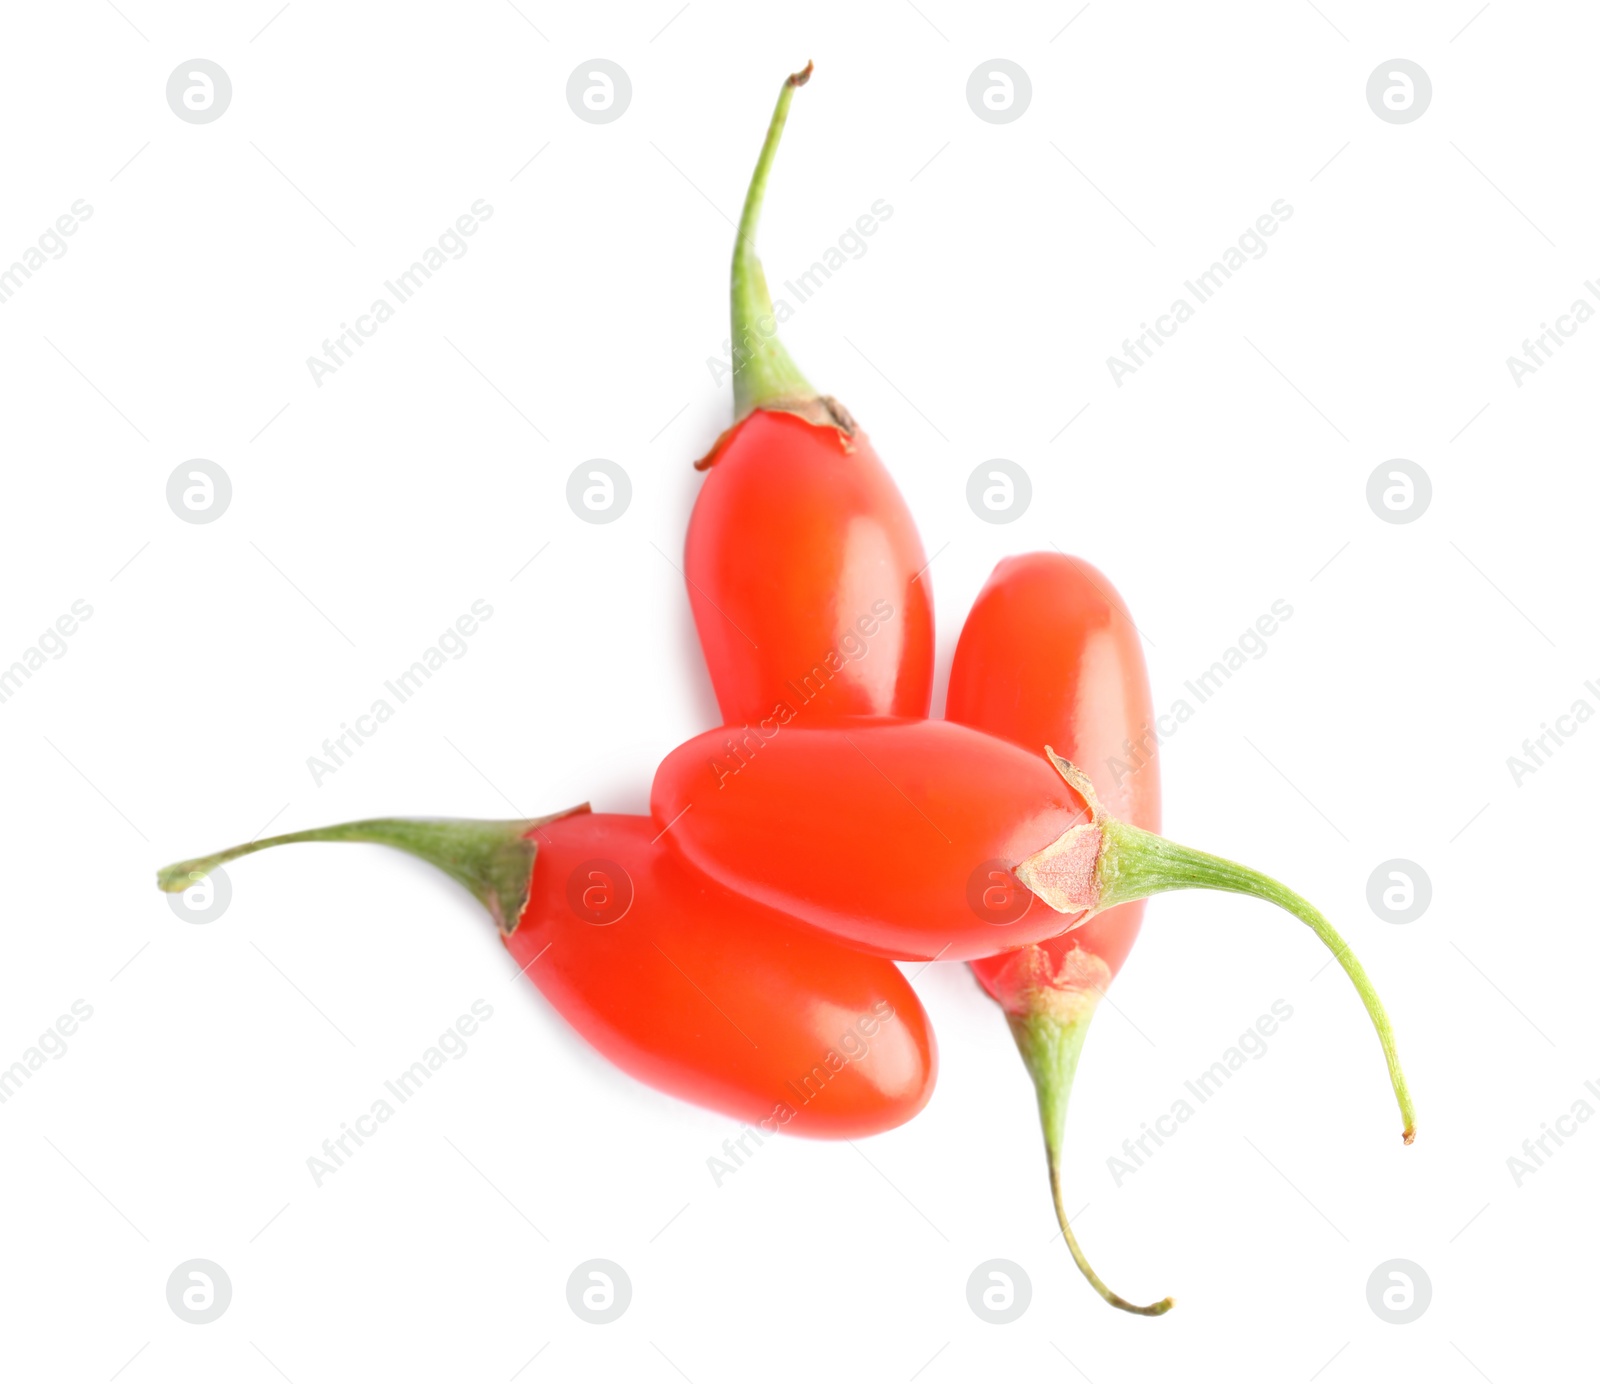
[369, 513]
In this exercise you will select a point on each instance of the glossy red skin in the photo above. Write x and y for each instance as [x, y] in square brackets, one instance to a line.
[872, 831]
[1050, 656]
[803, 571]
[717, 999]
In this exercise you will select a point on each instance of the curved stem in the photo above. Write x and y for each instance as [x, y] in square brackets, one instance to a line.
[1050, 1031]
[1152, 1309]
[1135, 864]
[763, 370]
[492, 859]
[1103, 862]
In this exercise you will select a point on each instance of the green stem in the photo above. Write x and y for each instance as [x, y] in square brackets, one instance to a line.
[492, 859]
[1135, 864]
[1050, 1038]
[1104, 862]
[763, 371]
